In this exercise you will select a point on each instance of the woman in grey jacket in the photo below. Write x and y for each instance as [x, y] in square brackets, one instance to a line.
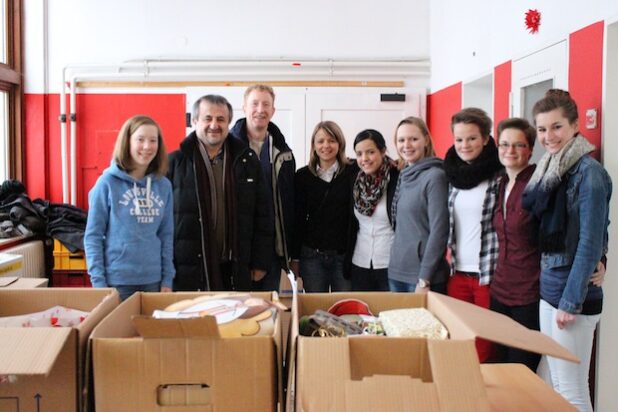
[420, 214]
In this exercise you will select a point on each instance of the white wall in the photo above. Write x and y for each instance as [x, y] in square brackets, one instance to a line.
[608, 334]
[469, 38]
[113, 31]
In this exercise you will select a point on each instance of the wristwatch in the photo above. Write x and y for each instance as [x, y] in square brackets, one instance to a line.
[422, 283]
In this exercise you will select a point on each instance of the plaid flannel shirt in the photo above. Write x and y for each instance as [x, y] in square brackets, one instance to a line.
[488, 257]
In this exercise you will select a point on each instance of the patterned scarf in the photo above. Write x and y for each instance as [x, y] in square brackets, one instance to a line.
[545, 195]
[368, 189]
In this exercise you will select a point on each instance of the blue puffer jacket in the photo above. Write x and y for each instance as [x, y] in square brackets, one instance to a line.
[565, 276]
[284, 168]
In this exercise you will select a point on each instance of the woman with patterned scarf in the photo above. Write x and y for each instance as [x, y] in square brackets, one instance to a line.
[472, 169]
[569, 194]
[371, 233]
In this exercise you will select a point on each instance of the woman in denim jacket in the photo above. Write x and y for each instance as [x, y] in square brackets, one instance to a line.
[569, 193]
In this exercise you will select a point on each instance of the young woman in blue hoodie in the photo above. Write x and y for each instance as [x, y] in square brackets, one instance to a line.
[129, 233]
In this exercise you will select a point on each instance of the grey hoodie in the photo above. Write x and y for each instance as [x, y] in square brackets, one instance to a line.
[421, 224]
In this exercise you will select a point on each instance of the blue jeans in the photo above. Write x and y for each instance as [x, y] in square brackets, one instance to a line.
[126, 291]
[399, 286]
[322, 272]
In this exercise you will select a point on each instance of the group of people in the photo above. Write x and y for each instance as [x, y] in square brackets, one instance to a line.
[229, 211]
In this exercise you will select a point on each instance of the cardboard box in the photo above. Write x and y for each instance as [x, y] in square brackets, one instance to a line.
[387, 373]
[47, 365]
[11, 265]
[12, 282]
[182, 365]
[512, 387]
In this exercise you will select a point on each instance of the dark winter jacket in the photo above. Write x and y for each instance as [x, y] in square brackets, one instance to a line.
[255, 235]
[284, 167]
[323, 210]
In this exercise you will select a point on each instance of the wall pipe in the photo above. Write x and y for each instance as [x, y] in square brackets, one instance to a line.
[153, 70]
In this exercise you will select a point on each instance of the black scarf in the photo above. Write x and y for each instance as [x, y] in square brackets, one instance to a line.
[464, 175]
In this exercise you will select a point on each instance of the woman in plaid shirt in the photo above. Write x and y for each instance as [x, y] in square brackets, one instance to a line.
[472, 169]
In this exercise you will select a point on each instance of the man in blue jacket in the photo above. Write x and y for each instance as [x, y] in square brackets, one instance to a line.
[278, 165]
[222, 229]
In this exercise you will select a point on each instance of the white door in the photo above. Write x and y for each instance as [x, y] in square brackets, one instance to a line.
[356, 109]
[532, 76]
[299, 109]
[289, 114]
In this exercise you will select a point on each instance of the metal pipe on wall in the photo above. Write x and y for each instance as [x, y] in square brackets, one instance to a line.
[160, 70]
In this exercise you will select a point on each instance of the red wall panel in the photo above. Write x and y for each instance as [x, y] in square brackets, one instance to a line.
[586, 76]
[502, 90]
[441, 106]
[35, 145]
[99, 117]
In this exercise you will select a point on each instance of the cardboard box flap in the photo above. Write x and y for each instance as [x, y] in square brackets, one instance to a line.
[457, 375]
[390, 393]
[149, 327]
[466, 321]
[7, 280]
[30, 351]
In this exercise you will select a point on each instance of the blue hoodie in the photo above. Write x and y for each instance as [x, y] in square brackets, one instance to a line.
[130, 230]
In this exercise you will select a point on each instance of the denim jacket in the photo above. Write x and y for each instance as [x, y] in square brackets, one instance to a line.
[565, 276]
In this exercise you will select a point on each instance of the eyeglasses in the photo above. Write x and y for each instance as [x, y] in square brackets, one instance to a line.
[516, 146]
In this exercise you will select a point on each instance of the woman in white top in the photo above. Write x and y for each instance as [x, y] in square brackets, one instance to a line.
[371, 233]
[472, 169]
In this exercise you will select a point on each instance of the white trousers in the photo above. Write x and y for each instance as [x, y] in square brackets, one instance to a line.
[568, 378]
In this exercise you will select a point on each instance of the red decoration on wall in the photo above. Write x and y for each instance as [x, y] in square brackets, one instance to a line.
[533, 20]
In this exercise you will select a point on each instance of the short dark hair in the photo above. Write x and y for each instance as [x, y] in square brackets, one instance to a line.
[520, 124]
[557, 99]
[373, 135]
[473, 115]
[215, 99]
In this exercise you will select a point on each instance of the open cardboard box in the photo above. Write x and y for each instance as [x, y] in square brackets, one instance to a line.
[352, 374]
[146, 364]
[46, 365]
[13, 282]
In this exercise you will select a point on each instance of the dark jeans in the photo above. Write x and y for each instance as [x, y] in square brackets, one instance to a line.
[322, 271]
[125, 291]
[527, 315]
[399, 286]
[369, 279]
[272, 280]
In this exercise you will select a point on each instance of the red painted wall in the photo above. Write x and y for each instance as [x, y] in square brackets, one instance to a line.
[441, 106]
[99, 117]
[586, 76]
[502, 90]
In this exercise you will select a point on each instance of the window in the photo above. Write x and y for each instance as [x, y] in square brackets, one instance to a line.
[11, 90]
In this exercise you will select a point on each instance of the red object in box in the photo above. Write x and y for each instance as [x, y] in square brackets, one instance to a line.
[70, 279]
